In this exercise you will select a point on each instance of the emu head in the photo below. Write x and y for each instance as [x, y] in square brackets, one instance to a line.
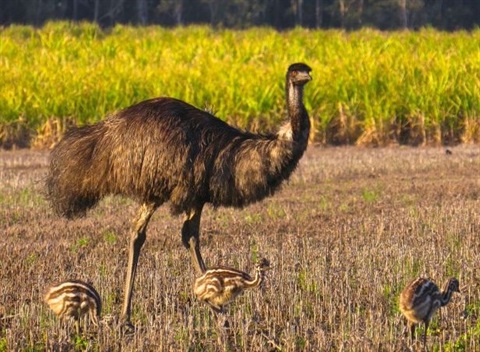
[262, 265]
[453, 285]
[299, 73]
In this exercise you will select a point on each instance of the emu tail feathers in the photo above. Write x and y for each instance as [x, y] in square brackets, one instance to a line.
[70, 189]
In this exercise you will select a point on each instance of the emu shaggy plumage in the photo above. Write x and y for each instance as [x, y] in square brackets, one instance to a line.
[166, 150]
[163, 150]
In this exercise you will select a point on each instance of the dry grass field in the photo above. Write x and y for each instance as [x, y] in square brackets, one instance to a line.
[345, 235]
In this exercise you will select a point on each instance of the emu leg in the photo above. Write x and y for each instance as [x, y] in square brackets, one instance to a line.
[221, 316]
[412, 331]
[191, 239]
[425, 335]
[137, 240]
[77, 326]
[93, 318]
[225, 337]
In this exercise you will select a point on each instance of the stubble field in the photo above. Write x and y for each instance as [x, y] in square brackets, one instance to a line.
[345, 235]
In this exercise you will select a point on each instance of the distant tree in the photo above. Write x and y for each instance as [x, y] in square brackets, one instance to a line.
[403, 13]
[382, 14]
[113, 10]
[96, 11]
[297, 7]
[412, 13]
[215, 8]
[245, 13]
[457, 14]
[172, 8]
[318, 13]
[142, 12]
[347, 13]
[280, 14]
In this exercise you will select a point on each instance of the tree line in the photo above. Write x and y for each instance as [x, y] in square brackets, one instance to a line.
[280, 14]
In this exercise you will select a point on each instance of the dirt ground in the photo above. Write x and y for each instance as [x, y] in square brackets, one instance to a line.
[350, 229]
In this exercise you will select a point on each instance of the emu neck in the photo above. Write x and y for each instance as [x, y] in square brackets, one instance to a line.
[257, 280]
[299, 121]
[446, 296]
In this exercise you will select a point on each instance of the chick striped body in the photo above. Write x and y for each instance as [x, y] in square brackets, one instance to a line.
[421, 298]
[74, 299]
[220, 286]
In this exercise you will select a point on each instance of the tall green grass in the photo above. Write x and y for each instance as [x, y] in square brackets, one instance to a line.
[369, 87]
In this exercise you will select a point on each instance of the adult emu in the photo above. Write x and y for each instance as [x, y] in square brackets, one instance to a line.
[164, 149]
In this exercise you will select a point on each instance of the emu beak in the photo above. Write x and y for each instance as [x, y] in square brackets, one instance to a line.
[462, 289]
[303, 77]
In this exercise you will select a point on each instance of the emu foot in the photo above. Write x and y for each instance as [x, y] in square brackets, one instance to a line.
[223, 323]
[226, 337]
[127, 328]
[226, 323]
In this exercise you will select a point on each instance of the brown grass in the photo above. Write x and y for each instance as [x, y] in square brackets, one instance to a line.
[352, 227]
[51, 132]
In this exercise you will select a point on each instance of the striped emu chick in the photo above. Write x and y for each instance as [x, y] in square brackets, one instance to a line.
[71, 300]
[420, 300]
[220, 286]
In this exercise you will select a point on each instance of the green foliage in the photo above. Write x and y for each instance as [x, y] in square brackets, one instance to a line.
[80, 243]
[323, 203]
[31, 260]
[305, 282]
[27, 197]
[253, 219]
[276, 211]
[390, 294]
[37, 347]
[110, 237]
[369, 196]
[81, 343]
[457, 346]
[3, 344]
[368, 88]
